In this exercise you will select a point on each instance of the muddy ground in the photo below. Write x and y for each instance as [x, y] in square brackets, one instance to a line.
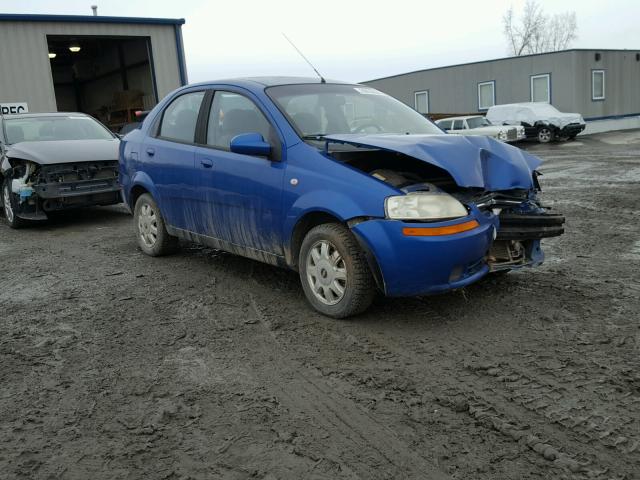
[204, 365]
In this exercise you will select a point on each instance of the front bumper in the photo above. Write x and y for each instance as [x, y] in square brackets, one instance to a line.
[411, 265]
[63, 186]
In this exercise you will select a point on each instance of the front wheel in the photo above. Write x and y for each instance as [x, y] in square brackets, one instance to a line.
[334, 272]
[151, 233]
[545, 135]
[9, 205]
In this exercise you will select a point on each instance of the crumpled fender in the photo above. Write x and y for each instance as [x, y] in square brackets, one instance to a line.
[472, 161]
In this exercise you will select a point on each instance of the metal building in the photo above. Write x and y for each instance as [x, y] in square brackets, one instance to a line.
[105, 66]
[599, 84]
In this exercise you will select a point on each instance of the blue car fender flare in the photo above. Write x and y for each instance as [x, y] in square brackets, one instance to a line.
[141, 179]
[337, 205]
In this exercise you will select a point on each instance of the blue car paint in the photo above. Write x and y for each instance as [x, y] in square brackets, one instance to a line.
[421, 265]
[251, 205]
[472, 161]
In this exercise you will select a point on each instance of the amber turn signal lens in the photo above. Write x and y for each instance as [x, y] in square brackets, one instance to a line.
[435, 231]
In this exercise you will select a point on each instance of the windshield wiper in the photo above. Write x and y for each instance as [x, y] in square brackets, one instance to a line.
[314, 136]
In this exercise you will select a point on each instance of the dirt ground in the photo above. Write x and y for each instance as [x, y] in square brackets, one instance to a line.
[204, 365]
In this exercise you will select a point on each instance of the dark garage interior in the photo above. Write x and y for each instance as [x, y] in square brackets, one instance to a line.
[107, 77]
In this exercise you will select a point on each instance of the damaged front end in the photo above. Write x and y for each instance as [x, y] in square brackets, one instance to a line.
[39, 189]
[523, 223]
[497, 184]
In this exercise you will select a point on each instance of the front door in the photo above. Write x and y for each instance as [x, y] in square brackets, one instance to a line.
[241, 195]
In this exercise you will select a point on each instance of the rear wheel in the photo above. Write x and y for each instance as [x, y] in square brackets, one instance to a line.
[334, 272]
[151, 232]
[545, 135]
[8, 203]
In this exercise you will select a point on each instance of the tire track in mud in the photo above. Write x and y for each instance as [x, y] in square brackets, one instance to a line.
[355, 433]
[509, 400]
[500, 398]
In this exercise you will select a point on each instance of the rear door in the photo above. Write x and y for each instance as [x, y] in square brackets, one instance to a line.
[240, 195]
[168, 156]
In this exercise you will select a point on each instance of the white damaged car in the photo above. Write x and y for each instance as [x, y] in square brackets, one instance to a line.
[540, 120]
[479, 125]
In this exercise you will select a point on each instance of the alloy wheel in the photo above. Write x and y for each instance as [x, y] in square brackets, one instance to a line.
[326, 272]
[544, 135]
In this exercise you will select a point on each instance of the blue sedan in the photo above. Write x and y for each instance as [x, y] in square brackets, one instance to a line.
[351, 188]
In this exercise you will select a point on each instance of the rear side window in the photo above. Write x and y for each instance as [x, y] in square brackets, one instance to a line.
[231, 115]
[445, 124]
[458, 125]
[180, 118]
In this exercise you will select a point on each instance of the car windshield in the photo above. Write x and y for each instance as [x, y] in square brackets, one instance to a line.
[477, 122]
[46, 128]
[545, 109]
[316, 110]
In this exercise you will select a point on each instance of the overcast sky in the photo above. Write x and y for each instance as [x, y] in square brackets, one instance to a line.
[348, 39]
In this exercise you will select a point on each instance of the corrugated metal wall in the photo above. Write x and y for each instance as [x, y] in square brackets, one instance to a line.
[25, 72]
[455, 89]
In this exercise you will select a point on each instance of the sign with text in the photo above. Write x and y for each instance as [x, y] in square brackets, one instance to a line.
[13, 108]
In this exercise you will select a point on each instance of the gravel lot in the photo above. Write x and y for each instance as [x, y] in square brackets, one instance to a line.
[204, 365]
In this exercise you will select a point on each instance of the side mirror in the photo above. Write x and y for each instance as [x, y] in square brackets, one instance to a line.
[250, 144]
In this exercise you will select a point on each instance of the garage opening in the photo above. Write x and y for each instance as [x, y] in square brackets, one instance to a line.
[109, 78]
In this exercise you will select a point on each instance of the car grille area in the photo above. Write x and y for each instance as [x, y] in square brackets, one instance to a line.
[77, 179]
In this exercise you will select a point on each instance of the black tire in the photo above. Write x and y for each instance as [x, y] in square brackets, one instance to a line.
[545, 135]
[151, 233]
[572, 137]
[358, 284]
[9, 206]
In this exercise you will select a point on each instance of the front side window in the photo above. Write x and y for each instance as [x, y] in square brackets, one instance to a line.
[320, 109]
[477, 122]
[50, 128]
[180, 118]
[597, 85]
[486, 95]
[422, 102]
[231, 115]
[541, 88]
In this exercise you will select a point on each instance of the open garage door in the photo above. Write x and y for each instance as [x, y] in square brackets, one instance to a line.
[107, 77]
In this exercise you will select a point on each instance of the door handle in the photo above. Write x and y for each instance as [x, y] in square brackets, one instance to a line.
[206, 162]
[151, 152]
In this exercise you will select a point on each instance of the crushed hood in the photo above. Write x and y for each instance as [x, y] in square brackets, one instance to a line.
[65, 151]
[472, 161]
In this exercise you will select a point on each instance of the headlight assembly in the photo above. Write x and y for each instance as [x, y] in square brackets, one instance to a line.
[424, 206]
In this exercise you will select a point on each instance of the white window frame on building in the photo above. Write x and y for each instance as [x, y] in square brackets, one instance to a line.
[593, 85]
[536, 77]
[415, 100]
[491, 83]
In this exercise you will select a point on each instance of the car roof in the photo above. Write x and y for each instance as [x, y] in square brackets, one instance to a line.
[464, 117]
[45, 114]
[269, 81]
[521, 104]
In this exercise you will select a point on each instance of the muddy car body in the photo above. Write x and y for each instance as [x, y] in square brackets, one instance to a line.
[280, 176]
[55, 161]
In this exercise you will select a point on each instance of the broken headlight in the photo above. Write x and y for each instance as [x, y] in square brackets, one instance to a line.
[424, 206]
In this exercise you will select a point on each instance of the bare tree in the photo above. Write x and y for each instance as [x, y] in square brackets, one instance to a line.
[535, 32]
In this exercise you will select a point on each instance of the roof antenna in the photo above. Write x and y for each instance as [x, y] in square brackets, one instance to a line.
[322, 80]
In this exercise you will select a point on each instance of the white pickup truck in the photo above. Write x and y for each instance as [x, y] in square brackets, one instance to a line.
[478, 125]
